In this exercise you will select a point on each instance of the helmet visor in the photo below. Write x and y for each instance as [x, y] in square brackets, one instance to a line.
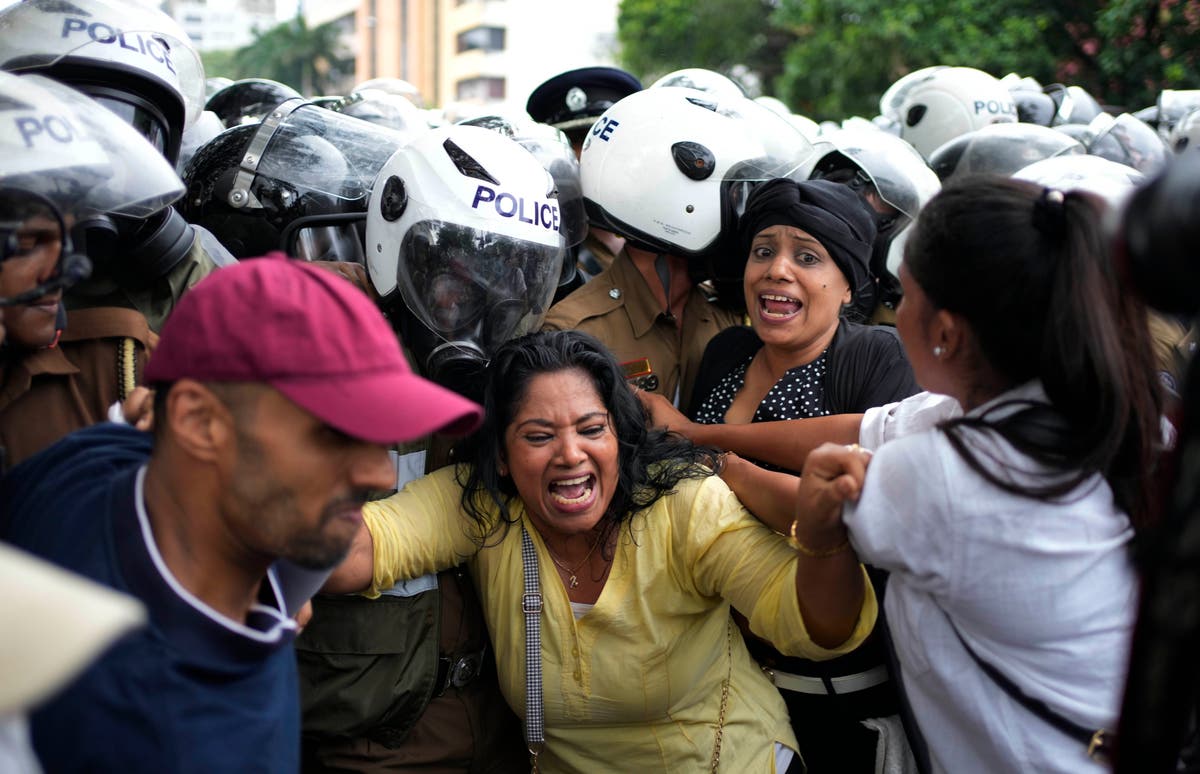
[474, 286]
[135, 181]
[318, 151]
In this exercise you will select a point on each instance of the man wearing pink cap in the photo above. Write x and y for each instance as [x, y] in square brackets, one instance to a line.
[278, 386]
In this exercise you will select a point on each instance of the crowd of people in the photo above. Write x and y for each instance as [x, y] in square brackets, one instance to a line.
[646, 429]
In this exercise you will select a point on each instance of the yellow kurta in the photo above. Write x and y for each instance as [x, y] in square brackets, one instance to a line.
[634, 685]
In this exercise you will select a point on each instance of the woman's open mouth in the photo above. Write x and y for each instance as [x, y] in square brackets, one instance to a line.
[573, 493]
[773, 306]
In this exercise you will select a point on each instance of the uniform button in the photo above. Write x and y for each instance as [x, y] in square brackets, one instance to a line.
[614, 293]
[574, 651]
[578, 676]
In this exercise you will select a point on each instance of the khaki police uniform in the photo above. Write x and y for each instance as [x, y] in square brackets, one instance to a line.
[45, 394]
[1173, 344]
[619, 309]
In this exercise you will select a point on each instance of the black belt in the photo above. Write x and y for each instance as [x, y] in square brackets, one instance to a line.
[458, 671]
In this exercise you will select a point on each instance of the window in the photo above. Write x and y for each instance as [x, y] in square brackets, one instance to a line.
[484, 88]
[481, 39]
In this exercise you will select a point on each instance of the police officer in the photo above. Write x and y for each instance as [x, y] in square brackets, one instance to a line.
[693, 159]
[572, 101]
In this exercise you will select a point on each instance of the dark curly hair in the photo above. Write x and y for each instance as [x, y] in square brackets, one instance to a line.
[650, 462]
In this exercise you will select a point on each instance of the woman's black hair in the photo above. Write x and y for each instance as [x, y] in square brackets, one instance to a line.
[1031, 271]
[650, 462]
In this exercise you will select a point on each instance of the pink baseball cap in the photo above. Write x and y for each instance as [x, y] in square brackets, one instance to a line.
[315, 338]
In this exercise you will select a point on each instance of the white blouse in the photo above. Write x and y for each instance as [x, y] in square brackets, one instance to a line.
[1044, 592]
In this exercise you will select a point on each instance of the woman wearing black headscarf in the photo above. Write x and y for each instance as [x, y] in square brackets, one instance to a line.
[807, 247]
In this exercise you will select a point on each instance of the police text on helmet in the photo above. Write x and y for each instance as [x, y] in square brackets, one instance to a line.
[107, 34]
[56, 128]
[544, 214]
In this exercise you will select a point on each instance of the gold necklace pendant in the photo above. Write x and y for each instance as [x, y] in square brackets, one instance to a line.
[573, 582]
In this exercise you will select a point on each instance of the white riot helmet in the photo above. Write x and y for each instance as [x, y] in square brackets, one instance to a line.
[1073, 105]
[711, 81]
[896, 182]
[396, 86]
[950, 102]
[1185, 135]
[385, 109]
[668, 168]
[1127, 140]
[67, 161]
[463, 226]
[131, 58]
[893, 98]
[1000, 149]
[1109, 180]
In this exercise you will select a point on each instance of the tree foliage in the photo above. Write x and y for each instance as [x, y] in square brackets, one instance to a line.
[659, 36]
[833, 58]
[303, 57]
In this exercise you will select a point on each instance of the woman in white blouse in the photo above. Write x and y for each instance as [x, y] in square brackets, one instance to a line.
[1006, 529]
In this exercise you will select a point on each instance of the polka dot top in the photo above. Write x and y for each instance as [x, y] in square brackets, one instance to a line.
[799, 394]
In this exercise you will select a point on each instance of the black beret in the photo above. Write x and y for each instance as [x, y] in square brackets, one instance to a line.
[576, 98]
[836, 215]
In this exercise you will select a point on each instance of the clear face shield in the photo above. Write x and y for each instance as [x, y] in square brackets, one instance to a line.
[1128, 141]
[474, 289]
[317, 166]
[32, 230]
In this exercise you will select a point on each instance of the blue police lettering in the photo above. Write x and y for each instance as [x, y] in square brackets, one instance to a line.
[55, 127]
[544, 214]
[131, 41]
[995, 107]
[604, 128]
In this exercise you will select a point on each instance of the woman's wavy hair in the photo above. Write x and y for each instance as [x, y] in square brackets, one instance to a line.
[1031, 271]
[650, 462]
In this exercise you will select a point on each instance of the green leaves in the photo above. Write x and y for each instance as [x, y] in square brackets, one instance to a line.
[830, 59]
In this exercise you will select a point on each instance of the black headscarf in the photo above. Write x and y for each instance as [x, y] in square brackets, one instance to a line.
[835, 215]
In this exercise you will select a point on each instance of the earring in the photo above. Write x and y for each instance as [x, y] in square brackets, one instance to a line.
[938, 351]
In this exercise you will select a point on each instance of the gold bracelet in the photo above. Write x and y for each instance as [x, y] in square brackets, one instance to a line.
[815, 553]
[719, 463]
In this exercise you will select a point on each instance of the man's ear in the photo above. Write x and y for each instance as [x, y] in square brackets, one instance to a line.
[199, 422]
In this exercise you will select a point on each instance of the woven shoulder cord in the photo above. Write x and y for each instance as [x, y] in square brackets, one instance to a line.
[531, 606]
[1098, 741]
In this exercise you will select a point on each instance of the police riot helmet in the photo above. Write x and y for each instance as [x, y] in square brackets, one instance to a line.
[133, 59]
[697, 157]
[871, 160]
[463, 229]
[950, 102]
[395, 86]
[1171, 106]
[893, 97]
[1127, 140]
[1185, 134]
[1000, 149]
[718, 85]
[70, 163]
[249, 100]
[895, 181]
[1072, 104]
[1109, 180]
[385, 109]
[553, 149]
[299, 182]
[1034, 105]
